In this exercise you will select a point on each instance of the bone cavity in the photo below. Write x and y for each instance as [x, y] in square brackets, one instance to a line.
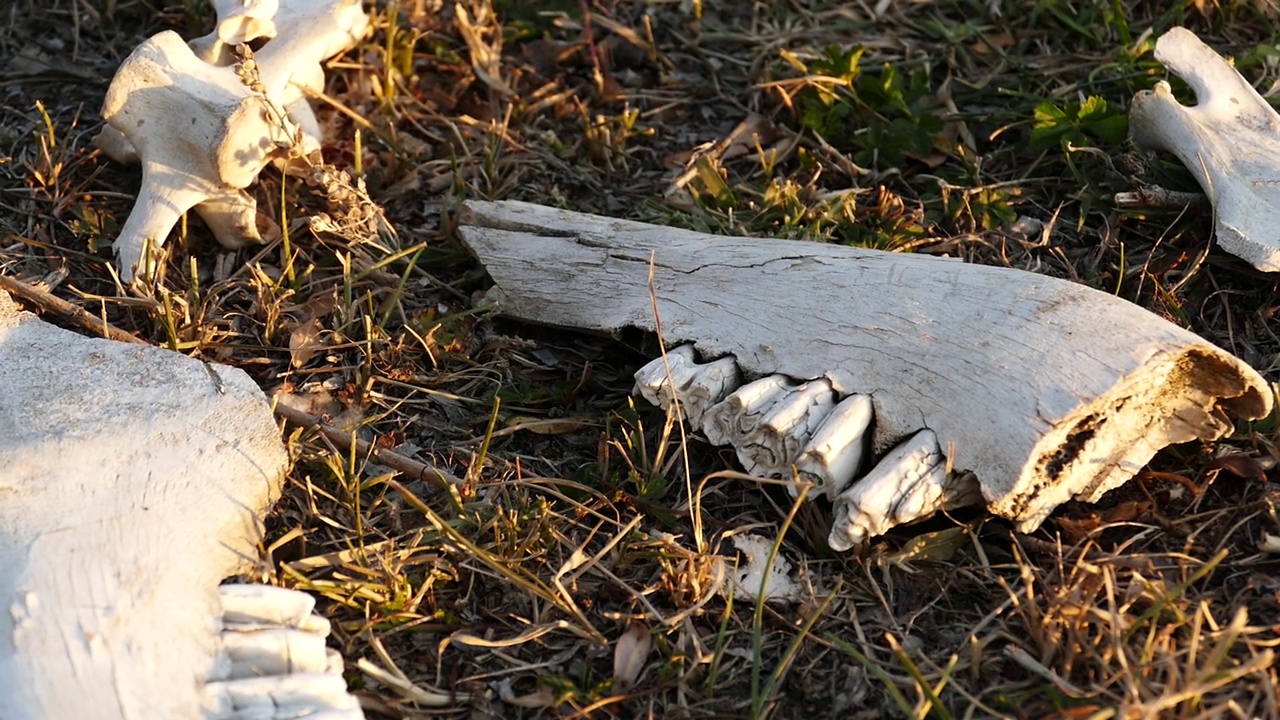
[1229, 140]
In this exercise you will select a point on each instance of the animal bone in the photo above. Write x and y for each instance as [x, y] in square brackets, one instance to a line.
[298, 678]
[1229, 140]
[202, 137]
[1043, 389]
[237, 131]
[132, 480]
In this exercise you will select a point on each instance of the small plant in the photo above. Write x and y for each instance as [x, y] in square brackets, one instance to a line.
[1076, 124]
[882, 117]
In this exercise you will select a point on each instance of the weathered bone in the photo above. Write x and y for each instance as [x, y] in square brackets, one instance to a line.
[202, 137]
[834, 455]
[1229, 140]
[238, 131]
[1044, 389]
[132, 480]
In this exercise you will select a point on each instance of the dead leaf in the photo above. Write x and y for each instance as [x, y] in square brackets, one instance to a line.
[938, 546]
[305, 341]
[1240, 465]
[630, 655]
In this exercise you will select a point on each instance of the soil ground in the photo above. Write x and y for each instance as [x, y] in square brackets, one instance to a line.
[994, 131]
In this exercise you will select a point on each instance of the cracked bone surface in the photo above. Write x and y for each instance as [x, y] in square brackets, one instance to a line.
[1229, 140]
[1044, 389]
[132, 480]
[162, 82]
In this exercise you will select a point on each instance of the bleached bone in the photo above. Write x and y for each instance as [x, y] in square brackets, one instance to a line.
[202, 136]
[736, 417]
[1044, 389]
[776, 441]
[239, 21]
[291, 678]
[910, 483]
[1229, 140]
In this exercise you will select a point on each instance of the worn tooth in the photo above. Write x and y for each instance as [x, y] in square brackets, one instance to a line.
[775, 443]
[834, 455]
[265, 605]
[651, 380]
[737, 415]
[699, 386]
[911, 482]
[319, 691]
[274, 651]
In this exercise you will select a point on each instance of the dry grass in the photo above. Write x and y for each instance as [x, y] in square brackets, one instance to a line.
[572, 533]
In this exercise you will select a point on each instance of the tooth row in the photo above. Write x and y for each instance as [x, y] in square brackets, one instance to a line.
[776, 424]
[274, 664]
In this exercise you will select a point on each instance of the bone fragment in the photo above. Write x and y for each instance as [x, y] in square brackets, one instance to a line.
[911, 482]
[207, 164]
[698, 385]
[1229, 140]
[131, 483]
[1046, 390]
[202, 136]
[834, 455]
[274, 651]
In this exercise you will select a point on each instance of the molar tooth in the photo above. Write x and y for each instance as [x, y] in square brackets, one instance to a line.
[274, 651]
[313, 690]
[911, 482]
[775, 442]
[246, 604]
[737, 415]
[699, 386]
[833, 456]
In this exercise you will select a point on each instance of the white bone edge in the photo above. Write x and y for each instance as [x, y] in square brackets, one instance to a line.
[909, 483]
[1229, 140]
